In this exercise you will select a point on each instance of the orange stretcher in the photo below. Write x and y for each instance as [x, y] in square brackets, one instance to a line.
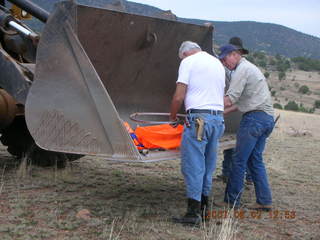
[156, 136]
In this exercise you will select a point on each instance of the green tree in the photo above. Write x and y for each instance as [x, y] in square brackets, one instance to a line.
[277, 105]
[311, 110]
[283, 65]
[317, 103]
[307, 64]
[287, 64]
[291, 105]
[304, 89]
[278, 57]
[259, 55]
[281, 75]
[272, 62]
[262, 63]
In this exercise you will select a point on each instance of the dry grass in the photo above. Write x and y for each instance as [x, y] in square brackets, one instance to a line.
[137, 201]
[221, 229]
[292, 122]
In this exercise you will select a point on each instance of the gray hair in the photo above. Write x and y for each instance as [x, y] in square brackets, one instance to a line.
[186, 46]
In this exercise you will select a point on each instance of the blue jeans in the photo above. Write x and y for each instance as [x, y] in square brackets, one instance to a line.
[227, 164]
[254, 129]
[198, 158]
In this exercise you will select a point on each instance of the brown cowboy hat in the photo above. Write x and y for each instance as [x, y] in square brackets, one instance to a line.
[237, 42]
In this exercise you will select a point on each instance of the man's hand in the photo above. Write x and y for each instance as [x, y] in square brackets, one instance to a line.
[176, 102]
[227, 102]
[175, 120]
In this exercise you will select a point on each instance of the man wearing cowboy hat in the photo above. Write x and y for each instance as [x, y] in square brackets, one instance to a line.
[228, 153]
[249, 93]
[237, 42]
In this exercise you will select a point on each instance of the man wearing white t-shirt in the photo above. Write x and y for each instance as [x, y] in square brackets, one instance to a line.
[200, 86]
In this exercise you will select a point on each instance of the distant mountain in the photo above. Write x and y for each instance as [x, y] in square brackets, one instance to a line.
[271, 38]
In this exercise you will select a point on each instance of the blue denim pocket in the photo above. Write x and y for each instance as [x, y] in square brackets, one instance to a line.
[256, 129]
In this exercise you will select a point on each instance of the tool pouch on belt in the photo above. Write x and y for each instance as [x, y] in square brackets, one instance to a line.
[199, 128]
[186, 122]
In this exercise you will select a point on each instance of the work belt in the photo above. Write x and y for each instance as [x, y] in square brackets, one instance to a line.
[253, 111]
[213, 112]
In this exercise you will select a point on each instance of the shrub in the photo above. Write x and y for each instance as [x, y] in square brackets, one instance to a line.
[317, 103]
[262, 63]
[250, 59]
[304, 66]
[277, 105]
[281, 75]
[292, 105]
[273, 93]
[259, 55]
[304, 89]
[287, 64]
[307, 64]
[278, 57]
[266, 74]
[306, 110]
[272, 62]
[283, 66]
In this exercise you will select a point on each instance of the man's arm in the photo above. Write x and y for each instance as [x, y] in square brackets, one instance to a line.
[237, 85]
[177, 100]
[227, 102]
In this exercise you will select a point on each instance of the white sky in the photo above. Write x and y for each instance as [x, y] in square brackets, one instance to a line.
[300, 15]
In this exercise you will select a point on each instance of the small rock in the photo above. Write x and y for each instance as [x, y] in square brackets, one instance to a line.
[84, 214]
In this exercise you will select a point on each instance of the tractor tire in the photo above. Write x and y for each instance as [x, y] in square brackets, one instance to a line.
[20, 144]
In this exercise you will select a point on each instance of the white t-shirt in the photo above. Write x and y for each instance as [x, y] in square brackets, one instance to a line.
[205, 77]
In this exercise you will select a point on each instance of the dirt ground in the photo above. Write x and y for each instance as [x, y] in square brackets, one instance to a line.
[92, 199]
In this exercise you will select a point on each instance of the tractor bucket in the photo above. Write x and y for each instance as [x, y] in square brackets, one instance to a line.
[94, 68]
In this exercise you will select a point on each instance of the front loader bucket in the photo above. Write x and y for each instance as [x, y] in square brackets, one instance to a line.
[94, 68]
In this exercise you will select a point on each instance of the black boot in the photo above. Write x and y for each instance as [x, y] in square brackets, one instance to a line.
[193, 215]
[204, 207]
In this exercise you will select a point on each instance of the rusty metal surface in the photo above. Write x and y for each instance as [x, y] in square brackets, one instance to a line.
[94, 68]
[139, 73]
[68, 109]
[140, 77]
